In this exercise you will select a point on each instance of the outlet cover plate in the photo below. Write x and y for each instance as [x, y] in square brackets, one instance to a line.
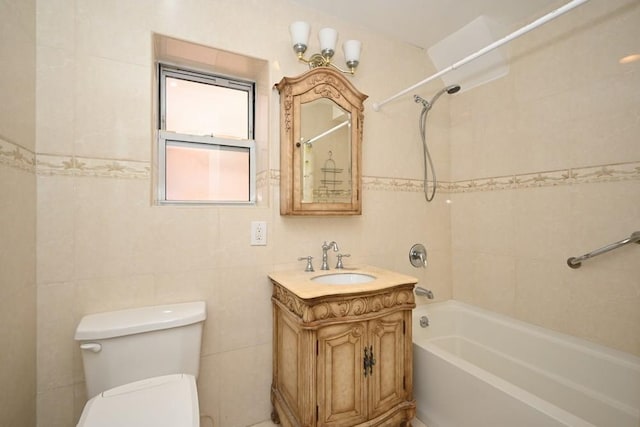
[258, 233]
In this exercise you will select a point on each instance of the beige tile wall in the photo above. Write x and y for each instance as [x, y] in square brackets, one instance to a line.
[17, 215]
[546, 164]
[17, 297]
[102, 246]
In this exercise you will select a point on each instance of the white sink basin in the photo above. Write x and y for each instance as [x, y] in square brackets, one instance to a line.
[343, 278]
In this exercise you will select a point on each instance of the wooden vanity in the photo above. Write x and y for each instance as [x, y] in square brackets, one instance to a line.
[342, 354]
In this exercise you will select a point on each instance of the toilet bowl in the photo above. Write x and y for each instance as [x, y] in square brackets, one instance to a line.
[166, 401]
[141, 366]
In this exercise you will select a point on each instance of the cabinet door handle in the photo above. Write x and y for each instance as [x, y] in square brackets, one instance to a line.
[369, 360]
[366, 360]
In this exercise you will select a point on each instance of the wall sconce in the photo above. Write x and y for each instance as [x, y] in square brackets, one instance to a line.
[328, 37]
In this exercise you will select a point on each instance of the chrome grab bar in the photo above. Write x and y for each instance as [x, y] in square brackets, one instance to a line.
[576, 262]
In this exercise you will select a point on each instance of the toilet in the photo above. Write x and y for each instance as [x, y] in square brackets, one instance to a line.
[141, 366]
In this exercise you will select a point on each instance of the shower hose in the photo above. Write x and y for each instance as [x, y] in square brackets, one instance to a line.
[428, 163]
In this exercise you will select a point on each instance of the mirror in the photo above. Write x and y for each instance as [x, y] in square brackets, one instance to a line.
[321, 118]
[326, 155]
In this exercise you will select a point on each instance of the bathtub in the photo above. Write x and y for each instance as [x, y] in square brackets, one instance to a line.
[477, 368]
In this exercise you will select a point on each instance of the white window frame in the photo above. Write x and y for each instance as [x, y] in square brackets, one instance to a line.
[194, 141]
[187, 140]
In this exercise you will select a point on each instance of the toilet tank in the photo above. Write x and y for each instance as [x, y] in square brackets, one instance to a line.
[120, 347]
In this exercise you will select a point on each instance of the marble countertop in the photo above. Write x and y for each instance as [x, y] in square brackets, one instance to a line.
[299, 281]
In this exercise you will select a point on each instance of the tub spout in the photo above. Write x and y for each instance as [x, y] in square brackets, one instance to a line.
[424, 292]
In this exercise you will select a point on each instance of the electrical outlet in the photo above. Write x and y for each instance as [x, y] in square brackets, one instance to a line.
[258, 233]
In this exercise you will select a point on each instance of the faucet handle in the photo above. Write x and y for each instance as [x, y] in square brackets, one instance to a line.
[418, 256]
[309, 266]
[339, 264]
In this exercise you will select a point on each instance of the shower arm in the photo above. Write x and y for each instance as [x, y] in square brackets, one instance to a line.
[576, 262]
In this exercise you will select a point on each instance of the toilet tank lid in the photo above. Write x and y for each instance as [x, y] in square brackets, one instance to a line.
[138, 320]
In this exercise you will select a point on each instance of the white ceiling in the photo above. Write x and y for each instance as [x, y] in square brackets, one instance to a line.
[426, 22]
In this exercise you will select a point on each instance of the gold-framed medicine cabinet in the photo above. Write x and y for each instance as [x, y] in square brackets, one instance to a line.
[321, 122]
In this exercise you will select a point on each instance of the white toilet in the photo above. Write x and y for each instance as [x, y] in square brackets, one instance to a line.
[141, 365]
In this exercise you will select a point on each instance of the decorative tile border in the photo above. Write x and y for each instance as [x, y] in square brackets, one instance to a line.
[393, 184]
[590, 174]
[262, 179]
[48, 164]
[18, 157]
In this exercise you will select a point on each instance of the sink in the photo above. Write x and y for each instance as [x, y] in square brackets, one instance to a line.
[343, 278]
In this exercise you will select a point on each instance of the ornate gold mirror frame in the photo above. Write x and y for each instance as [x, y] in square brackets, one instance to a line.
[320, 152]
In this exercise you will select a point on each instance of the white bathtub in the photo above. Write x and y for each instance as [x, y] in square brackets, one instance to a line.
[477, 368]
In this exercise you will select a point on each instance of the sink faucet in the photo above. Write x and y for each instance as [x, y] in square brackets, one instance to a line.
[325, 247]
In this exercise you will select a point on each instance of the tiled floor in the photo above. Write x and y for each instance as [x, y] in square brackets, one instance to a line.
[414, 423]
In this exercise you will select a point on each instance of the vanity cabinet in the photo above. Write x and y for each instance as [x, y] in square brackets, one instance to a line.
[343, 360]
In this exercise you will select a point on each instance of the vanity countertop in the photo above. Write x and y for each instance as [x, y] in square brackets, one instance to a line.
[299, 281]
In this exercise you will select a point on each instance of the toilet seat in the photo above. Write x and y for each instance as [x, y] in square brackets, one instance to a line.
[165, 401]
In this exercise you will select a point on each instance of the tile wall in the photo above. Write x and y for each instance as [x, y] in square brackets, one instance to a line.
[517, 197]
[546, 166]
[102, 245]
[17, 215]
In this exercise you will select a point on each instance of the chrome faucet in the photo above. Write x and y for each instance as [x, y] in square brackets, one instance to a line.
[424, 292]
[325, 247]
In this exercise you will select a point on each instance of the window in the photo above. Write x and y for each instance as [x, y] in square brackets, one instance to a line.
[206, 147]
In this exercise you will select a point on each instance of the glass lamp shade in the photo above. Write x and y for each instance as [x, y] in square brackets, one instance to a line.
[352, 50]
[300, 34]
[328, 39]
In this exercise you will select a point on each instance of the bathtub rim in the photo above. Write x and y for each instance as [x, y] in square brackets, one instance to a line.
[630, 360]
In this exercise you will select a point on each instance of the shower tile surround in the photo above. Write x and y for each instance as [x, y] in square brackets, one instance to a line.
[18, 209]
[515, 201]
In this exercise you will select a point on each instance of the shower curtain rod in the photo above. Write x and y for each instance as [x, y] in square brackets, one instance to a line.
[535, 24]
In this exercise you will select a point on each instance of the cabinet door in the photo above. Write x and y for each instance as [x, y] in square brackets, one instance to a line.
[387, 383]
[323, 108]
[342, 394]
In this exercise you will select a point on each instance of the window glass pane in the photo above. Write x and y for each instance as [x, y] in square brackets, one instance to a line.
[201, 172]
[204, 109]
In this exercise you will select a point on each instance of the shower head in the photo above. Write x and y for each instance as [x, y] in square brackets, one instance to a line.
[428, 104]
[452, 89]
[449, 89]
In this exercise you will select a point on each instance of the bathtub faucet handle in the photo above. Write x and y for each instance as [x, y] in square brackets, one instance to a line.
[418, 256]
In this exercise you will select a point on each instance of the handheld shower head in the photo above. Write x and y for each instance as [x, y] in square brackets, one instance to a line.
[452, 89]
[428, 104]
[449, 89]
